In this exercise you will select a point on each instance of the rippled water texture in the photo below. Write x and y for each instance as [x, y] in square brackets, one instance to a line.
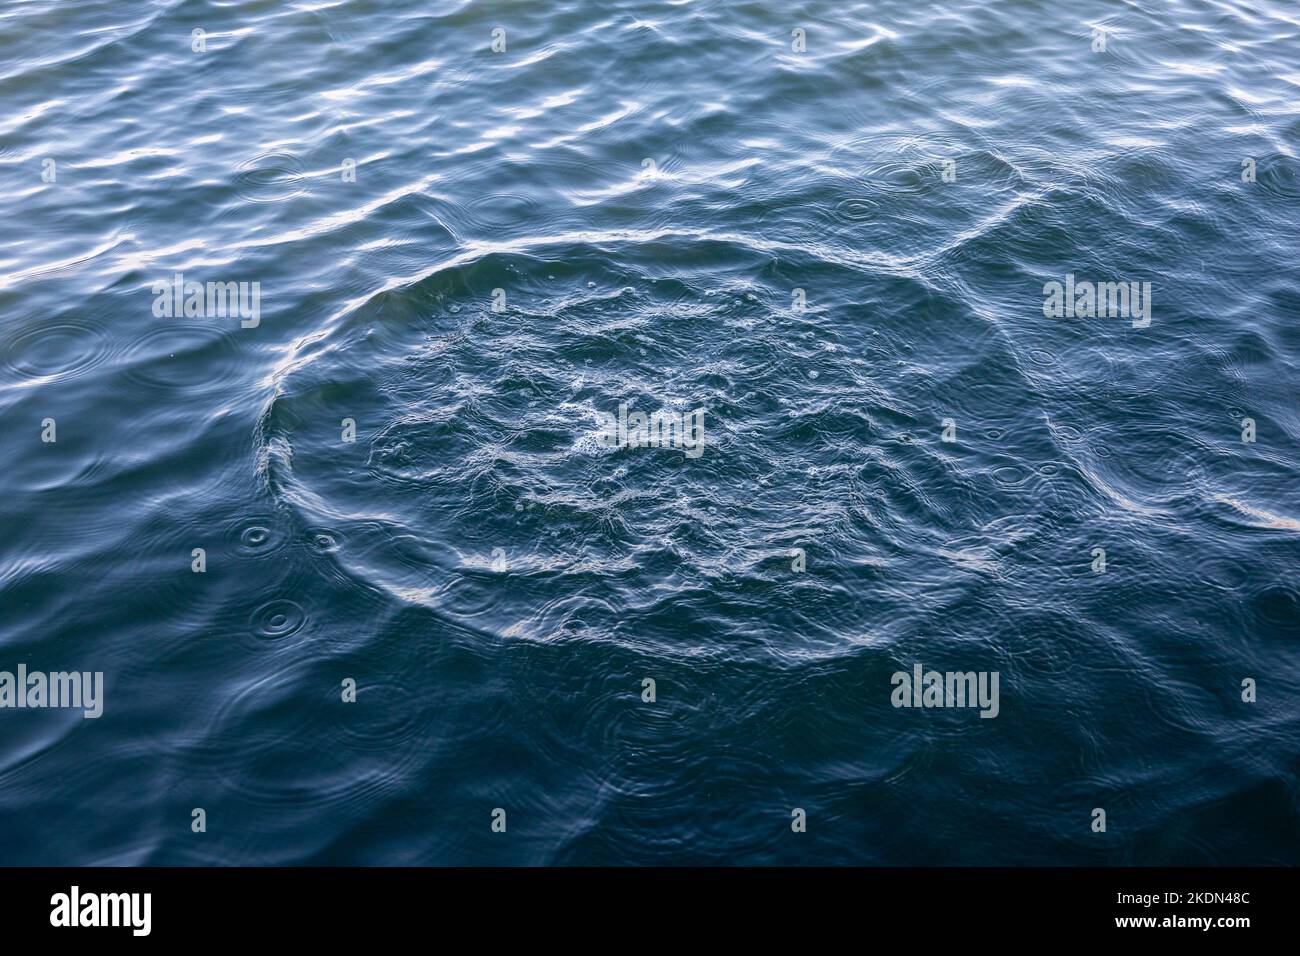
[649, 185]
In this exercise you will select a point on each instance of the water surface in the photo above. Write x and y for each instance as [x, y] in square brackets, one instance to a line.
[649, 184]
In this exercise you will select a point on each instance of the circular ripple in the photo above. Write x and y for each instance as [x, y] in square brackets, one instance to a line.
[54, 351]
[323, 540]
[1279, 175]
[1222, 572]
[275, 745]
[257, 535]
[1146, 466]
[271, 177]
[384, 714]
[455, 442]
[323, 547]
[1070, 434]
[278, 619]
[900, 179]
[855, 210]
[1042, 357]
[1009, 474]
[499, 211]
[1277, 609]
[189, 358]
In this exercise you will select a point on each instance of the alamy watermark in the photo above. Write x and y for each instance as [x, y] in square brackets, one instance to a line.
[661, 429]
[59, 689]
[947, 689]
[1114, 300]
[75, 908]
[213, 300]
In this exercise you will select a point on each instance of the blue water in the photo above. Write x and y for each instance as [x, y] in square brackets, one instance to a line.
[648, 184]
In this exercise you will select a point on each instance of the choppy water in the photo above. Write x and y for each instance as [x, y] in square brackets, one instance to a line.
[498, 584]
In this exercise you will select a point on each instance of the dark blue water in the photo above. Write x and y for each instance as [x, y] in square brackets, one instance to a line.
[838, 253]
